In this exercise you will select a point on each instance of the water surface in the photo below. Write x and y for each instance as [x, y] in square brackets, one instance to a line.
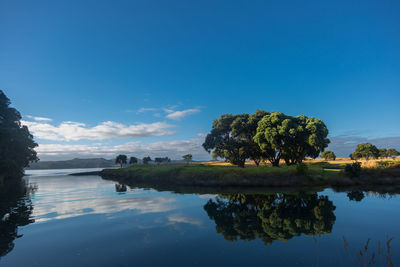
[61, 220]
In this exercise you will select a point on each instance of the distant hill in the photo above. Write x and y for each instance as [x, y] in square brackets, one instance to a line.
[72, 164]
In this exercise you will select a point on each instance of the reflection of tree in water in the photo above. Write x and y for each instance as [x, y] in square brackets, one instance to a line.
[15, 211]
[120, 188]
[356, 195]
[271, 217]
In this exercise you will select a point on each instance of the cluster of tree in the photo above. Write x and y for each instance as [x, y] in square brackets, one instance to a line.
[388, 153]
[368, 150]
[146, 160]
[123, 159]
[16, 142]
[271, 217]
[266, 136]
[162, 160]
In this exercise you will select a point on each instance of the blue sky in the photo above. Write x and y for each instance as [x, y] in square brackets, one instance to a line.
[161, 71]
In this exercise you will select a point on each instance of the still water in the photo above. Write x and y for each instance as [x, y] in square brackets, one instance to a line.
[61, 220]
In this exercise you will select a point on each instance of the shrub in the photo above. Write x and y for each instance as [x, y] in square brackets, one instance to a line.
[353, 170]
[301, 169]
[382, 164]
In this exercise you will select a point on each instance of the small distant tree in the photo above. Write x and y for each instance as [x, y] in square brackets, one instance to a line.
[158, 160]
[162, 160]
[121, 160]
[365, 150]
[187, 158]
[146, 160]
[133, 160]
[328, 155]
[383, 152]
[391, 152]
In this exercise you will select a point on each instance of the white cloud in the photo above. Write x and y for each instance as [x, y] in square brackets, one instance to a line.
[177, 115]
[72, 200]
[171, 149]
[74, 131]
[141, 110]
[179, 218]
[38, 118]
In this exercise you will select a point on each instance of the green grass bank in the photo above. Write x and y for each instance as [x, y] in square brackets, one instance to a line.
[319, 174]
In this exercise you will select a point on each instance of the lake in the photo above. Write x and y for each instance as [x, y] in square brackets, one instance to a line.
[61, 220]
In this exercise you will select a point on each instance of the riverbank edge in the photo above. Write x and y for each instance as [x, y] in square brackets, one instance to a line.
[195, 176]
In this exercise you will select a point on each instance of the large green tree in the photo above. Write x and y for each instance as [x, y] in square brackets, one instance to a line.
[231, 138]
[223, 143]
[245, 128]
[365, 150]
[16, 142]
[291, 138]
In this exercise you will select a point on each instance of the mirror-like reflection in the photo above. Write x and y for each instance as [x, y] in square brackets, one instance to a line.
[356, 195]
[271, 217]
[85, 220]
[15, 211]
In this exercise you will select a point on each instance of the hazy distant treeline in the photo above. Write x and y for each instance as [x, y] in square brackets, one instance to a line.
[72, 164]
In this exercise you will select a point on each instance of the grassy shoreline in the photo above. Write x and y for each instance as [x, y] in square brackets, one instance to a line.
[319, 174]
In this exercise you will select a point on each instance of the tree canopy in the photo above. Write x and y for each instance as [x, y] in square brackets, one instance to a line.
[146, 160]
[386, 153]
[121, 160]
[263, 135]
[365, 150]
[231, 138]
[133, 160]
[16, 142]
[328, 155]
[291, 138]
[187, 157]
[162, 160]
[223, 143]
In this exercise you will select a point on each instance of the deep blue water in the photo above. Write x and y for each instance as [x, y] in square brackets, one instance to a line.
[85, 221]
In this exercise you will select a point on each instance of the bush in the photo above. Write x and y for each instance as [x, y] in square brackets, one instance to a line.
[353, 170]
[301, 169]
[383, 164]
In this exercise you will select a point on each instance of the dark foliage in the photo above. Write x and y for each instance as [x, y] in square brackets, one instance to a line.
[271, 217]
[16, 142]
[353, 170]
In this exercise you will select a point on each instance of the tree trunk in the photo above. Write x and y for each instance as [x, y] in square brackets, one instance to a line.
[241, 164]
[274, 162]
